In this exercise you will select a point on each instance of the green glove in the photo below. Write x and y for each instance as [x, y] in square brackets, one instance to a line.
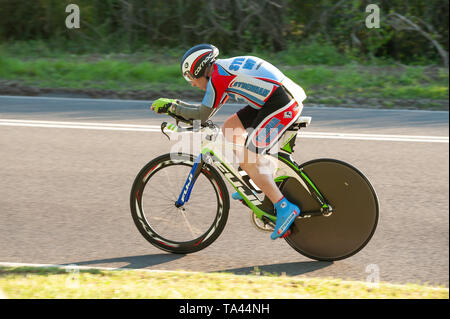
[162, 105]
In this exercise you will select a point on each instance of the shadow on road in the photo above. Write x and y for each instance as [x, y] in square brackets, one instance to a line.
[288, 269]
[132, 262]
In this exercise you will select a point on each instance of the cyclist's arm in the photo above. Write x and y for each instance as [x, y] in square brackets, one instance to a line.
[192, 111]
[212, 101]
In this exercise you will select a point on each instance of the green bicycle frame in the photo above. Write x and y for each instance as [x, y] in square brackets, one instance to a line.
[213, 158]
[248, 195]
[237, 183]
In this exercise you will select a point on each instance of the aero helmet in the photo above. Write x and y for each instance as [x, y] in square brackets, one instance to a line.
[197, 59]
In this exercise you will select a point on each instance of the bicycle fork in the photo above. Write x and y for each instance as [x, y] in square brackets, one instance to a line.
[189, 184]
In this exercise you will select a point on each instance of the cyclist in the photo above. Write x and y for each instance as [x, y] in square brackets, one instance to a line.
[274, 103]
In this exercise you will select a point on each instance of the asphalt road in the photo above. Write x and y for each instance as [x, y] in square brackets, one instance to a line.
[64, 192]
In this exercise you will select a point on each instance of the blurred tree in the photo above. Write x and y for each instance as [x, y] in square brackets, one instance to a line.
[244, 25]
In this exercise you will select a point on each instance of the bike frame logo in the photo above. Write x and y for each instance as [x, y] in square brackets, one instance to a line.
[187, 187]
[237, 183]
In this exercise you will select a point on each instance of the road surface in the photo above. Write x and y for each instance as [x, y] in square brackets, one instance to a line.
[64, 190]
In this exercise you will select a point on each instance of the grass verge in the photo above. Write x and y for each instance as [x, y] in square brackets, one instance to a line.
[34, 282]
[121, 72]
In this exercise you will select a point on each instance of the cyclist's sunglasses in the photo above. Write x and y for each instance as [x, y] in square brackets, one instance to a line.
[188, 76]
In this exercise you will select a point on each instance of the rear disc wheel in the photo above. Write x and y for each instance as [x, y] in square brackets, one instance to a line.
[355, 211]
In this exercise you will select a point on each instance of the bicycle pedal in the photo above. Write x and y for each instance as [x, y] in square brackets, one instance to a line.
[265, 224]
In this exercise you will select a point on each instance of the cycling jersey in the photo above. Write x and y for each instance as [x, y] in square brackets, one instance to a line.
[274, 101]
[247, 79]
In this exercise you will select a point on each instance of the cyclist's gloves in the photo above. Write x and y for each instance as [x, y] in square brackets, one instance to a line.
[163, 106]
[182, 109]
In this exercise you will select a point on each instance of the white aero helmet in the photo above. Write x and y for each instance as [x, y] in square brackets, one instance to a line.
[197, 59]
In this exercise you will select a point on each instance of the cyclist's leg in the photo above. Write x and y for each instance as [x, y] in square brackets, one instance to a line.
[234, 129]
[252, 158]
[270, 124]
[236, 126]
[266, 128]
[260, 170]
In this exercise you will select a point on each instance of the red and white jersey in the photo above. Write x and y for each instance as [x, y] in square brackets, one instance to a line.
[247, 79]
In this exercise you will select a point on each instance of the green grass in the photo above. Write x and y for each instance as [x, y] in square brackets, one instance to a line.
[30, 282]
[105, 73]
[374, 81]
[320, 69]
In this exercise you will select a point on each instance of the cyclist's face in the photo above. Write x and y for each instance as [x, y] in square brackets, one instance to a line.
[201, 83]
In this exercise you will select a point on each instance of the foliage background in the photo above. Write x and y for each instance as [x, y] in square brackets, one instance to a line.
[234, 26]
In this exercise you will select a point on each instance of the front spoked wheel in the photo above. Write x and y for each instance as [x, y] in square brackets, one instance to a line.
[355, 211]
[185, 229]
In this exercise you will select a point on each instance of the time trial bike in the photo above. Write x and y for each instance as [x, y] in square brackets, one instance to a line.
[180, 202]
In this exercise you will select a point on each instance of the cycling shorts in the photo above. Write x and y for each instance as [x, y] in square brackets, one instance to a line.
[266, 125]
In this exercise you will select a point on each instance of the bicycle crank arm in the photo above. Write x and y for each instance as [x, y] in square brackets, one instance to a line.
[315, 213]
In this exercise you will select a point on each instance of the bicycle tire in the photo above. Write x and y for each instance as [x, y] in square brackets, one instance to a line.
[355, 211]
[143, 216]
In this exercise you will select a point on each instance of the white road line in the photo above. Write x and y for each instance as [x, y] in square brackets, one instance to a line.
[80, 125]
[76, 123]
[156, 128]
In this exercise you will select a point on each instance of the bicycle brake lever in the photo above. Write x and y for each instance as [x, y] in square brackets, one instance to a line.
[163, 126]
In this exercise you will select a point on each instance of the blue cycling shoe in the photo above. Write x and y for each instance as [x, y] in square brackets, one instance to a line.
[286, 214]
[236, 196]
